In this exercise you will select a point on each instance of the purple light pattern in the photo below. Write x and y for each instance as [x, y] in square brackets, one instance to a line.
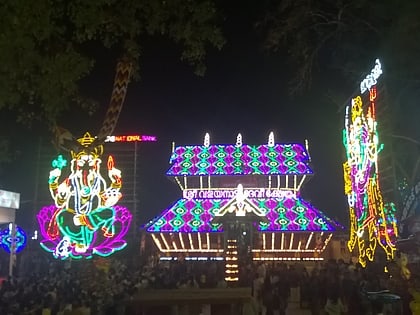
[279, 159]
[284, 214]
[103, 246]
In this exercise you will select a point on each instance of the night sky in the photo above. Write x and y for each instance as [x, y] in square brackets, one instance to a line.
[244, 90]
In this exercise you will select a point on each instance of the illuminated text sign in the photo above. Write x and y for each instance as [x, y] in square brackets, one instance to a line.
[231, 193]
[131, 138]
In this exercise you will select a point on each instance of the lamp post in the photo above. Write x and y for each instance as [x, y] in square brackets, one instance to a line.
[9, 202]
[12, 259]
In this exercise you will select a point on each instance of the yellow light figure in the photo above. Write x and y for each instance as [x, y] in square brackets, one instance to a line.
[370, 225]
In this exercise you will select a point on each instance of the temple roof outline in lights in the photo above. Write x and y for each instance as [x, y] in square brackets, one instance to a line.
[288, 213]
[278, 210]
[243, 159]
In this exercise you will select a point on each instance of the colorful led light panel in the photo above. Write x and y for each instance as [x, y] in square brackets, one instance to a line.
[6, 239]
[371, 222]
[284, 214]
[293, 214]
[85, 218]
[189, 215]
[390, 222]
[279, 159]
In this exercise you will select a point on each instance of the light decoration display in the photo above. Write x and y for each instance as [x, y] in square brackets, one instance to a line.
[231, 265]
[6, 239]
[231, 193]
[286, 213]
[256, 184]
[268, 159]
[372, 222]
[240, 205]
[85, 218]
[372, 78]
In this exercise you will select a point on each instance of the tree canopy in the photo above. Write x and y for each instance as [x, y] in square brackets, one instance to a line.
[345, 36]
[44, 45]
[335, 43]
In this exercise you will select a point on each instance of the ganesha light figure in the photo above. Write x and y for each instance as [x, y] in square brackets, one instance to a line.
[85, 219]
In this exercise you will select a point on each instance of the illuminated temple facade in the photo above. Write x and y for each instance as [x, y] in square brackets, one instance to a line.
[241, 201]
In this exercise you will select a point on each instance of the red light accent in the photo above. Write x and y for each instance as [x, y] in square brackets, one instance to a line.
[110, 162]
[372, 93]
[372, 97]
[120, 138]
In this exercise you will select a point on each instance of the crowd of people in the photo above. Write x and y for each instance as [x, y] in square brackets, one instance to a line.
[106, 286]
[332, 288]
[99, 286]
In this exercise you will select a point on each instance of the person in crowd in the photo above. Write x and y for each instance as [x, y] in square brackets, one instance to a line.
[314, 285]
[267, 296]
[334, 305]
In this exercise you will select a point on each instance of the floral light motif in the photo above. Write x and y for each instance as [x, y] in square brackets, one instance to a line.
[84, 219]
[6, 239]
